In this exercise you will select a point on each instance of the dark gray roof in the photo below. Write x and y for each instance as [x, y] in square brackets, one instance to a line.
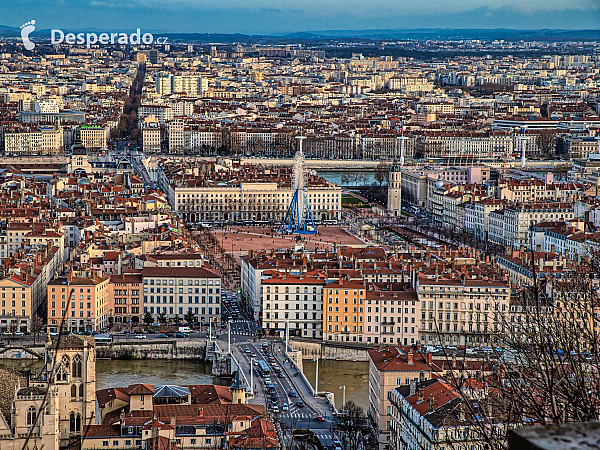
[171, 391]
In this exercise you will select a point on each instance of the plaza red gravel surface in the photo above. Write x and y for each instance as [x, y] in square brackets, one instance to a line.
[245, 239]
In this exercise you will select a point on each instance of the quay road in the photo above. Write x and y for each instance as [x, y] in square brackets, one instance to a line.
[296, 416]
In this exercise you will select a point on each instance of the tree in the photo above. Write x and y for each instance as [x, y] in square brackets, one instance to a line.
[177, 319]
[161, 317]
[13, 327]
[189, 317]
[381, 173]
[37, 325]
[548, 373]
[351, 428]
[114, 134]
[148, 319]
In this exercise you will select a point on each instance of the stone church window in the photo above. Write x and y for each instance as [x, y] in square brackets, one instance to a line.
[76, 372]
[31, 415]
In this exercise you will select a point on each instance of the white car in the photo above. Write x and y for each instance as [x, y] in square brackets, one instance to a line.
[141, 336]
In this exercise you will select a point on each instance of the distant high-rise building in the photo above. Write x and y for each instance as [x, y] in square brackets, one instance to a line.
[153, 56]
[190, 48]
[164, 83]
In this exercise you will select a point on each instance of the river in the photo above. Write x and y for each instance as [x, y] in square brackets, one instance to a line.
[336, 177]
[332, 374]
[123, 373]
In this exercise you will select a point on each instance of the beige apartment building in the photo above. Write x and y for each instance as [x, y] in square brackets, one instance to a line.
[392, 314]
[460, 310]
[295, 302]
[175, 291]
[23, 290]
[44, 141]
[390, 367]
[93, 137]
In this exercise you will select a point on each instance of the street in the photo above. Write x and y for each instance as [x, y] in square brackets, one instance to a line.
[296, 416]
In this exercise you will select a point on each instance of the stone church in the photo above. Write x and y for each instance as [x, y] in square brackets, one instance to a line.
[49, 410]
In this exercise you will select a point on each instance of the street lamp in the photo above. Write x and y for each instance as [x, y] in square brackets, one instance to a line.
[343, 398]
[251, 376]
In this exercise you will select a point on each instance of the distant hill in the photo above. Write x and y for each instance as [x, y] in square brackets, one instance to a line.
[375, 35]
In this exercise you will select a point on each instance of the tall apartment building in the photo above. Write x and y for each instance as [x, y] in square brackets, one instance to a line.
[295, 301]
[176, 134]
[344, 311]
[390, 367]
[163, 113]
[125, 298]
[44, 141]
[93, 137]
[192, 85]
[511, 226]
[78, 304]
[392, 314]
[460, 310]
[477, 216]
[175, 291]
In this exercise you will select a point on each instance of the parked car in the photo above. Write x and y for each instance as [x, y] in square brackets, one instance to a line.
[180, 335]
[141, 336]
[162, 336]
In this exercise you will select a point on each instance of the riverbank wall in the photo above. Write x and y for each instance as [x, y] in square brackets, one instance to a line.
[176, 349]
[338, 351]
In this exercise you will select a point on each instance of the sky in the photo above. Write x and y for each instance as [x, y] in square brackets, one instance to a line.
[287, 16]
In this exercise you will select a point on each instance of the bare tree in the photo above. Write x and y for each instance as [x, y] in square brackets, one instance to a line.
[548, 371]
[37, 325]
[381, 173]
[351, 428]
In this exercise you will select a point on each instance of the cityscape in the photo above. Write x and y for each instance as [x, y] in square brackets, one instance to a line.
[268, 235]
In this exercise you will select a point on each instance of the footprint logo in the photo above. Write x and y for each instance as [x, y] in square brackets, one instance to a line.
[26, 30]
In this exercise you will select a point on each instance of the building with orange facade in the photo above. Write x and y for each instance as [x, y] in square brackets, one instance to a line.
[343, 311]
[125, 298]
